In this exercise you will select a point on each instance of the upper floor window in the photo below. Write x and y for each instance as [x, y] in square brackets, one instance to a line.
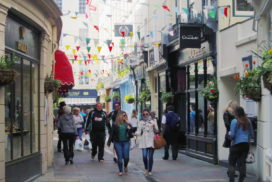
[242, 8]
[82, 6]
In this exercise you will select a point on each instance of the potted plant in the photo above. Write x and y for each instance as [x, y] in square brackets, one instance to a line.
[166, 97]
[129, 99]
[115, 96]
[7, 74]
[50, 84]
[267, 69]
[107, 98]
[210, 92]
[100, 85]
[145, 96]
[249, 84]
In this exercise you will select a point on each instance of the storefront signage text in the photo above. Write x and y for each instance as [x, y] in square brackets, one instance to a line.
[21, 46]
[82, 94]
[190, 37]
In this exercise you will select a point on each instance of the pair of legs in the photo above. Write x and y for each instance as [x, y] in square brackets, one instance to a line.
[98, 141]
[68, 140]
[171, 140]
[238, 155]
[59, 141]
[148, 158]
[80, 132]
[122, 151]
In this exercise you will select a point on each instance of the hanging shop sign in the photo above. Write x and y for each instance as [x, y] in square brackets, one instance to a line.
[190, 36]
[83, 93]
[123, 30]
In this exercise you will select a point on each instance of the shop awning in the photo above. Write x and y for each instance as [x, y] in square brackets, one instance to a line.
[63, 71]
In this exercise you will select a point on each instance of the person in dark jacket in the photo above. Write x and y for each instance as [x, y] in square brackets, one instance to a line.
[60, 112]
[68, 134]
[170, 133]
[121, 133]
[96, 125]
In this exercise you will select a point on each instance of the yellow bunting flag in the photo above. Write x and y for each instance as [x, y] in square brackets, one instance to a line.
[67, 47]
[131, 34]
[157, 44]
[99, 48]
[74, 51]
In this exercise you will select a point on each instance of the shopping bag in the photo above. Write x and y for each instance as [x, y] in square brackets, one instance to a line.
[87, 142]
[78, 145]
[159, 142]
[250, 158]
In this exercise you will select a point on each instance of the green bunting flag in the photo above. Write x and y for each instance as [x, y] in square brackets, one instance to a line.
[212, 14]
[88, 40]
[88, 49]
[139, 35]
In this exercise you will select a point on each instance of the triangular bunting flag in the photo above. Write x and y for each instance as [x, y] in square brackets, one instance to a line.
[73, 51]
[166, 8]
[88, 49]
[110, 48]
[75, 56]
[99, 48]
[139, 35]
[88, 40]
[77, 47]
[89, 56]
[67, 47]
[109, 42]
[226, 10]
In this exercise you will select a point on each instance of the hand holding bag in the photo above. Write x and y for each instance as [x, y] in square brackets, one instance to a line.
[159, 142]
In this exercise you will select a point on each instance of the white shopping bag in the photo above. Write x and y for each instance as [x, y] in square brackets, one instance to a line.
[87, 142]
[78, 145]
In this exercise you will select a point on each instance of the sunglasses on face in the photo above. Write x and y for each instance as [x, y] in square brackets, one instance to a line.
[125, 115]
[145, 114]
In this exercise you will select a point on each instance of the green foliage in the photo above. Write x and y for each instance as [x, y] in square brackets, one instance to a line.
[145, 95]
[50, 84]
[115, 96]
[166, 97]
[210, 92]
[6, 62]
[100, 85]
[107, 98]
[129, 99]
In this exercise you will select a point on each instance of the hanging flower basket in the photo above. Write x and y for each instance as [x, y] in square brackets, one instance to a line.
[250, 84]
[210, 92]
[107, 98]
[167, 97]
[129, 99]
[267, 80]
[267, 70]
[7, 76]
[51, 85]
[115, 96]
[145, 96]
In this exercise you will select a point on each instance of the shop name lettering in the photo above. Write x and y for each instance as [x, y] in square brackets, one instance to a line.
[189, 37]
[78, 93]
[22, 47]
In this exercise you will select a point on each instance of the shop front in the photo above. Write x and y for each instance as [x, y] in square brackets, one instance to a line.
[192, 63]
[23, 103]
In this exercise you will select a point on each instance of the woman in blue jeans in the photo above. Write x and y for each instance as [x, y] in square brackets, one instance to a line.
[120, 136]
[146, 130]
[241, 132]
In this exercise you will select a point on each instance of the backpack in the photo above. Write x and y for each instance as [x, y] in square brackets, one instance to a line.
[173, 122]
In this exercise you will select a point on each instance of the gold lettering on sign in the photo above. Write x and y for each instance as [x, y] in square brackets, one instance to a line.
[22, 47]
[74, 93]
[85, 93]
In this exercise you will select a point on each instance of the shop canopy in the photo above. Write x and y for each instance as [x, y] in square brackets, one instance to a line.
[81, 97]
[63, 71]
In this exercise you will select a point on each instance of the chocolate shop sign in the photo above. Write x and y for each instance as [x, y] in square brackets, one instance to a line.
[190, 37]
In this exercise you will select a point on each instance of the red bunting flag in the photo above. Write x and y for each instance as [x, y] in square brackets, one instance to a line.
[89, 61]
[86, 16]
[123, 34]
[75, 56]
[110, 48]
[89, 56]
[166, 8]
[112, 44]
[77, 47]
[96, 27]
[226, 10]
[89, 71]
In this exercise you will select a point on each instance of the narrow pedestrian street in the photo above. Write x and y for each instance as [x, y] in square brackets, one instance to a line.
[185, 169]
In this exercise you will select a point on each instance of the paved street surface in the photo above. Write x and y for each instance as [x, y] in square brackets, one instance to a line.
[185, 169]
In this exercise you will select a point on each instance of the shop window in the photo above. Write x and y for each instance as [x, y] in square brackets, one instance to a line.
[200, 114]
[192, 113]
[192, 76]
[21, 110]
[200, 75]
[242, 8]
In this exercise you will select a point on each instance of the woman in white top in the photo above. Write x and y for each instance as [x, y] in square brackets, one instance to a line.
[146, 129]
[134, 120]
[78, 121]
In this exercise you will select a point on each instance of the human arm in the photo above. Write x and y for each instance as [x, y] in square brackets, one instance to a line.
[88, 126]
[155, 126]
[139, 129]
[227, 120]
[233, 127]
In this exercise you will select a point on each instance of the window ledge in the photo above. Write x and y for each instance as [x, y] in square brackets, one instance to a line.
[246, 40]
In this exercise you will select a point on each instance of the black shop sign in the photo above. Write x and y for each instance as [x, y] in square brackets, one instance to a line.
[190, 36]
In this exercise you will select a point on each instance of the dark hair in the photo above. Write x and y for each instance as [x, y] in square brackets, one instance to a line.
[146, 110]
[170, 108]
[241, 117]
[117, 103]
[61, 104]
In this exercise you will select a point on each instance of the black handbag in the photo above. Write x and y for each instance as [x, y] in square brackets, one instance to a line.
[227, 141]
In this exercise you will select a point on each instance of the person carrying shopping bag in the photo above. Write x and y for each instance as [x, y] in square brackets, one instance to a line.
[146, 130]
[120, 135]
[241, 132]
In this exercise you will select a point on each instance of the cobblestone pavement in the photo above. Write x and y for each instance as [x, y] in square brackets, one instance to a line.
[185, 169]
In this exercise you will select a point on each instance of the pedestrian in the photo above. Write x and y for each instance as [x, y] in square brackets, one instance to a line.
[60, 113]
[121, 132]
[146, 130]
[228, 116]
[171, 133]
[79, 121]
[210, 119]
[153, 116]
[134, 123]
[111, 119]
[241, 132]
[192, 118]
[96, 124]
[68, 133]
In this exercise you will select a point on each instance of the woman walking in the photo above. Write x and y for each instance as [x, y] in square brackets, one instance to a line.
[241, 132]
[120, 135]
[78, 121]
[68, 133]
[146, 129]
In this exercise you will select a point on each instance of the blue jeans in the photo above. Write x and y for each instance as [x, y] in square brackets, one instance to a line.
[80, 132]
[148, 158]
[122, 150]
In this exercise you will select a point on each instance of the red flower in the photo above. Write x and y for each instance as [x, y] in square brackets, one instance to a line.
[212, 91]
[246, 65]
[254, 62]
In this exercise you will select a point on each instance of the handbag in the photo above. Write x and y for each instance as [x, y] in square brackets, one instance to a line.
[227, 141]
[250, 158]
[159, 142]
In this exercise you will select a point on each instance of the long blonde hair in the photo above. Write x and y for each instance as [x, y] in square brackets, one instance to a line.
[120, 117]
[232, 105]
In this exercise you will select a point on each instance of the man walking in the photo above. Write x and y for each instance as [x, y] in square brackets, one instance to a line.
[171, 128]
[96, 124]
